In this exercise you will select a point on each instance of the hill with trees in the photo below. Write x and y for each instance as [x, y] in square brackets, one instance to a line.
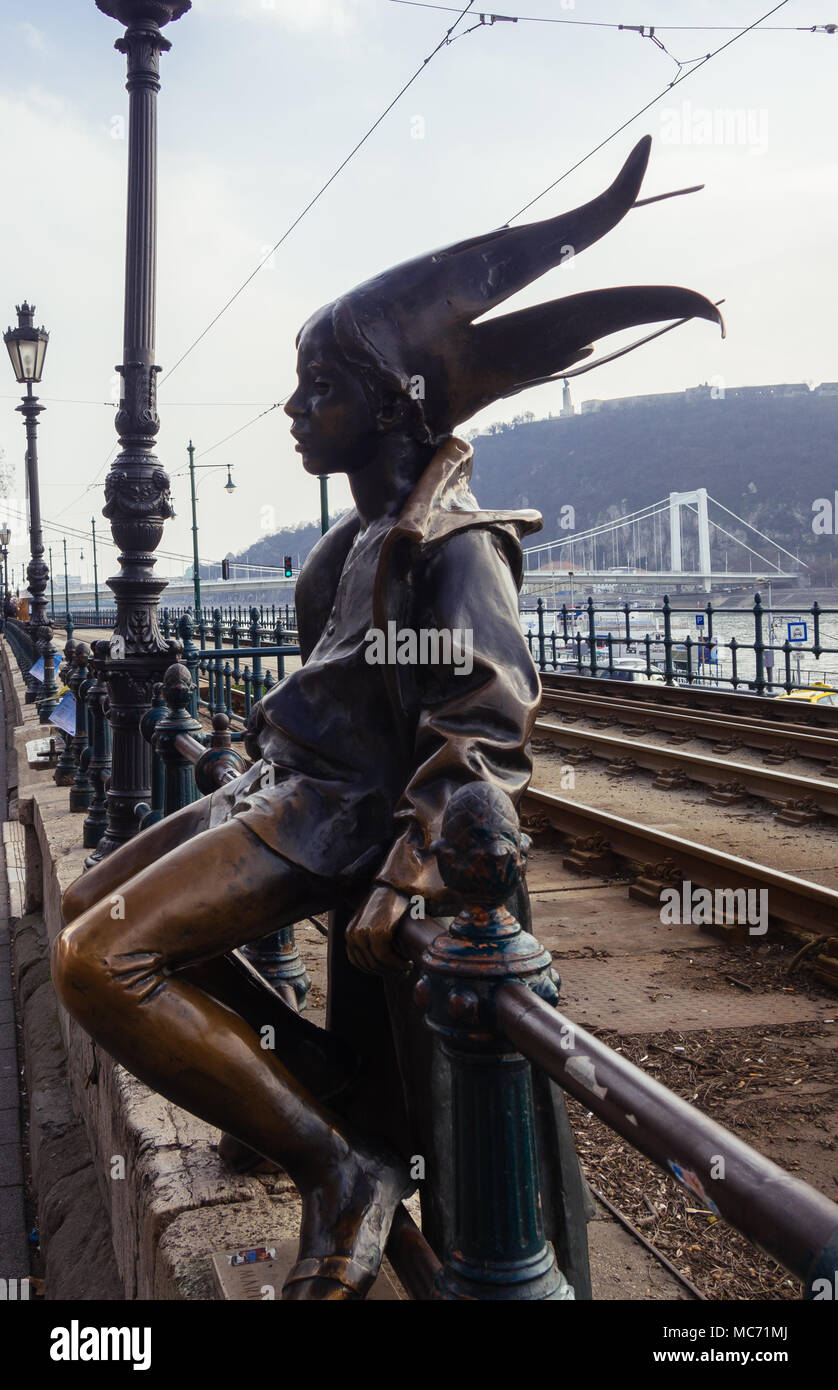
[766, 453]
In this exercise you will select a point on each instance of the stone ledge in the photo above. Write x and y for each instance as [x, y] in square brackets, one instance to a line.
[176, 1203]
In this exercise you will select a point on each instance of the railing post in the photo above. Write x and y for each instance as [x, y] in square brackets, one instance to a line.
[759, 646]
[542, 655]
[150, 814]
[497, 1248]
[179, 787]
[816, 629]
[279, 639]
[99, 766]
[81, 792]
[256, 642]
[216, 693]
[66, 767]
[669, 669]
[592, 635]
[234, 640]
[189, 658]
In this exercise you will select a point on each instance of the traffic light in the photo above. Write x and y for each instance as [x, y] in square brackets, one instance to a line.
[225, 569]
[289, 571]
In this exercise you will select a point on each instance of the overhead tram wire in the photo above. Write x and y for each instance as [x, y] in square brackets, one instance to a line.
[76, 534]
[612, 24]
[676, 82]
[318, 195]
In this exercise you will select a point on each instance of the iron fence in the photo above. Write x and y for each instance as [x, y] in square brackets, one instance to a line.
[489, 994]
[615, 642]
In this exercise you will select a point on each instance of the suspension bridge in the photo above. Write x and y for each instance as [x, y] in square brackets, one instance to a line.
[647, 550]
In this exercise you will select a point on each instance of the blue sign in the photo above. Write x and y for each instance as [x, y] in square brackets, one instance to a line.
[64, 714]
[699, 620]
[797, 632]
[37, 671]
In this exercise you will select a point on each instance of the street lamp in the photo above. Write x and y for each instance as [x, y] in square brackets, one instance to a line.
[5, 537]
[137, 500]
[27, 346]
[66, 584]
[229, 488]
[95, 571]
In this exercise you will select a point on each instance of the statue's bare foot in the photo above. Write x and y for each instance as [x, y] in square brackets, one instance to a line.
[345, 1227]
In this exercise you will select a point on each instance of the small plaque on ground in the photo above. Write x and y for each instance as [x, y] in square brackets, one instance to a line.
[257, 1273]
[40, 750]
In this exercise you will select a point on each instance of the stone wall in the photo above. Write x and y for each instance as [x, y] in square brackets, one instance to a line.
[169, 1201]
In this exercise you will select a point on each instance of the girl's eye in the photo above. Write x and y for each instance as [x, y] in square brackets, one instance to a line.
[321, 385]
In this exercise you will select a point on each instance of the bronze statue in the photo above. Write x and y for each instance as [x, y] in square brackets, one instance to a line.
[357, 754]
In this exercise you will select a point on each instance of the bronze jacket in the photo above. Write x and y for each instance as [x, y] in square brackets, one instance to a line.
[445, 564]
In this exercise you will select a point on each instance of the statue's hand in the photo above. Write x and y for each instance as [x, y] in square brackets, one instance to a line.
[370, 935]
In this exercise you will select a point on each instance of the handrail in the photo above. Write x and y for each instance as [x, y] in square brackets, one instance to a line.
[786, 1217]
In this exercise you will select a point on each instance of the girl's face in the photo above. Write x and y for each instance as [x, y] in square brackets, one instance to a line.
[334, 425]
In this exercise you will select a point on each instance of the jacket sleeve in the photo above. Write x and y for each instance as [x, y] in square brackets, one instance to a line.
[475, 715]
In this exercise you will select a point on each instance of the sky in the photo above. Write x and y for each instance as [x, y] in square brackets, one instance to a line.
[261, 101]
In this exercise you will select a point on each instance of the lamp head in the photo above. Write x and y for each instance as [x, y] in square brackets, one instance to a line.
[27, 346]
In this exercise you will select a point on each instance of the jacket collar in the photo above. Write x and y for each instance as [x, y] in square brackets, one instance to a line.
[442, 501]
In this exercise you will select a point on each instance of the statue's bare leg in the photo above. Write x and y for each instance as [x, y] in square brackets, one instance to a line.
[125, 979]
[110, 873]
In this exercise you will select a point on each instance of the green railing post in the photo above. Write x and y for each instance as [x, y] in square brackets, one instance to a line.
[189, 657]
[81, 792]
[669, 669]
[99, 766]
[495, 1248]
[542, 655]
[592, 634]
[148, 815]
[759, 646]
[256, 642]
[179, 787]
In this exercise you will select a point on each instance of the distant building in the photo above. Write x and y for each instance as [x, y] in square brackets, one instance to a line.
[707, 392]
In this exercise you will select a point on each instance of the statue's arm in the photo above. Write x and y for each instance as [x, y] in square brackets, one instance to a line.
[471, 727]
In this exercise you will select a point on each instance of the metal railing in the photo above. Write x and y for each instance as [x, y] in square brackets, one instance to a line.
[233, 617]
[594, 640]
[489, 994]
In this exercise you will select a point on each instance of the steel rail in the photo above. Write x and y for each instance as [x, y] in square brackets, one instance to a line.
[696, 698]
[762, 782]
[797, 741]
[792, 901]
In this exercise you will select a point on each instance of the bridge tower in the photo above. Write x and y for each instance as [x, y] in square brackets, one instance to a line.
[676, 501]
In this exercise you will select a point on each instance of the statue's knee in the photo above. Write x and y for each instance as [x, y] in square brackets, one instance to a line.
[74, 966]
[75, 900]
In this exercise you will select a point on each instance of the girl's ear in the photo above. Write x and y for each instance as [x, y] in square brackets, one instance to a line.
[392, 412]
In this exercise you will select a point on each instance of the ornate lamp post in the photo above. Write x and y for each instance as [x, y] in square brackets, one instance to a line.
[27, 347]
[137, 489]
[5, 537]
[229, 487]
[95, 570]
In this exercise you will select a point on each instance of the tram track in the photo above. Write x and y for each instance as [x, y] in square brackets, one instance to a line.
[595, 841]
[694, 700]
[779, 741]
[795, 798]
